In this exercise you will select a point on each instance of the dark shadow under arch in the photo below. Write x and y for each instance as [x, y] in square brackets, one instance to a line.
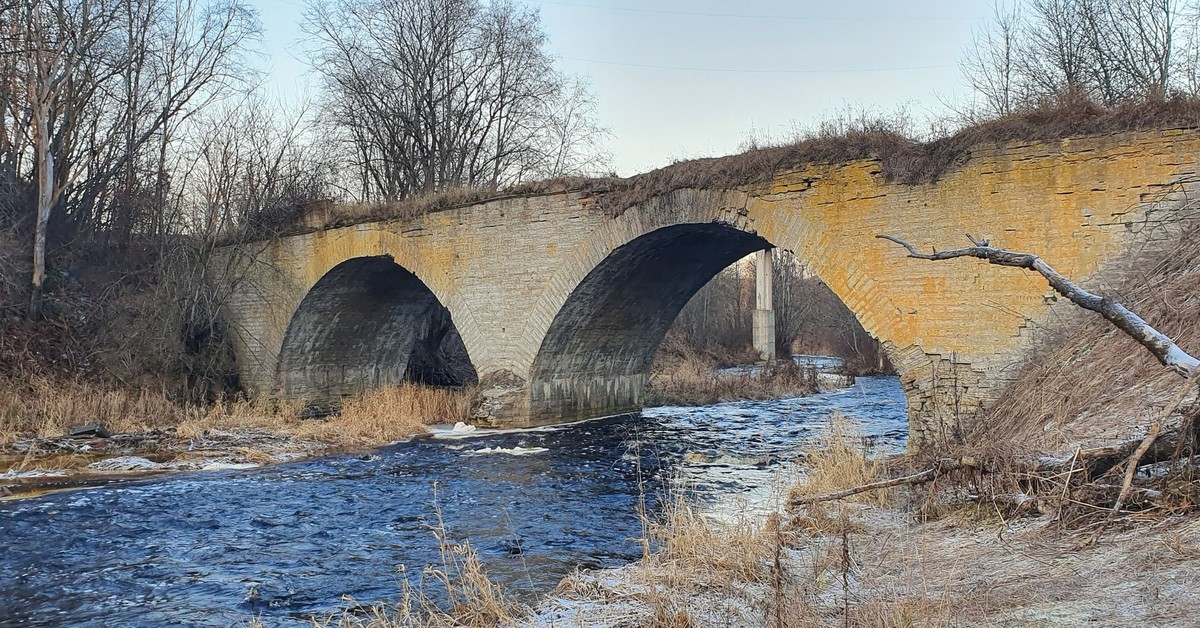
[597, 352]
[369, 323]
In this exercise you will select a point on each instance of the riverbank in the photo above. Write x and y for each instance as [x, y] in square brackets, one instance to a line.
[958, 554]
[888, 570]
[135, 436]
[907, 556]
[123, 435]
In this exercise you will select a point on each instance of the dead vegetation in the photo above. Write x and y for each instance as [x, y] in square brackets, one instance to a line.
[1095, 385]
[689, 547]
[151, 433]
[838, 462]
[684, 375]
[890, 560]
[902, 159]
[47, 409]
[854, 136]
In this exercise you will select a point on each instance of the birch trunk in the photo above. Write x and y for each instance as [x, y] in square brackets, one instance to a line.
[45, 161]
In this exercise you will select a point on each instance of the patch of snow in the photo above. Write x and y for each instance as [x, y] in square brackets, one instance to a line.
[124, 463]
[35, 473]
[513, 451]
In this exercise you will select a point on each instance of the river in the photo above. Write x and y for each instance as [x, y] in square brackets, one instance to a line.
[288, 542]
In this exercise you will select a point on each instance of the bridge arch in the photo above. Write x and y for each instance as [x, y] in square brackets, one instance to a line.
[369, 322]
[597, 352]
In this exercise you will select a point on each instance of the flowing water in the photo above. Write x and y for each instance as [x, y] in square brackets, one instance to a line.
[289, 541]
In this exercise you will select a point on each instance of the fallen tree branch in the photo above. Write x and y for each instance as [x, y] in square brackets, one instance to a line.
[939, 469]
[916, 478]
[1163, 348]
[1135, 460]
[1092, 462]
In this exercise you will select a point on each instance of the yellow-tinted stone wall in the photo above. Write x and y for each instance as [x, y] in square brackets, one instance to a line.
[956, 330]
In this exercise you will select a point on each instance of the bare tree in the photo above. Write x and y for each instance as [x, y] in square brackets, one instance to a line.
[176, 59]
[1107, 50]
[252, 165]
[991, 62]
[58, 47]
[92, 94]
[573, 139]
[1058, 56]
[434, 94]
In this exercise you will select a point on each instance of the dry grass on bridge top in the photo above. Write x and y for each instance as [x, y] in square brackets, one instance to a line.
[861, 136]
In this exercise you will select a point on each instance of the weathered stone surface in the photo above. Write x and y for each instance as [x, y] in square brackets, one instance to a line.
[573, 301]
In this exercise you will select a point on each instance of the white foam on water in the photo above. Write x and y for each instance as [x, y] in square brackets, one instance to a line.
[512, 451]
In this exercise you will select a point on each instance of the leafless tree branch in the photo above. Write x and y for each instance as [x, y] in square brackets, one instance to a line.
[1161, 346]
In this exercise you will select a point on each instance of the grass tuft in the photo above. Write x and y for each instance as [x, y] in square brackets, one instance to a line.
[693, 548]
[840, 461]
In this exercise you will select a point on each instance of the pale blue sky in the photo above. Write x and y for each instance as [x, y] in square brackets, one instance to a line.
[678, 79]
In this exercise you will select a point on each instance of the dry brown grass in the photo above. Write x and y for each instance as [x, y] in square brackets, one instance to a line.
[902, 612]
[693, 378]
[692, 549]
[40, 408]
[391, 413]
[839, 461]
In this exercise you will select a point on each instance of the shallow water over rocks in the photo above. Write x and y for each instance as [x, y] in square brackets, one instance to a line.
[289, 541]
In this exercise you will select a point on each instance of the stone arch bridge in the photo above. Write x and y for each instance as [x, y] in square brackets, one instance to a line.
[558, 307]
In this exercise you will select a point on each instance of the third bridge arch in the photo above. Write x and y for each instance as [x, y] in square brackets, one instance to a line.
[560, 304]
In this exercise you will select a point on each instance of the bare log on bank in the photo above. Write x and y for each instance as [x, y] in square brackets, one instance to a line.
[1089, 463]
[916, 478]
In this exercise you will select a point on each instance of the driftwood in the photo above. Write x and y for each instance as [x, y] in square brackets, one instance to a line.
[916, 478]
[1088, 463]
[1156, 342]
[1157, 446]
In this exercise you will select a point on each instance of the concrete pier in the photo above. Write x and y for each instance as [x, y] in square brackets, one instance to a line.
[764, 309]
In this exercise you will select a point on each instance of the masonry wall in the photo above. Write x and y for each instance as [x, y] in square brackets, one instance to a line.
[955, 330]
[958, 330]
